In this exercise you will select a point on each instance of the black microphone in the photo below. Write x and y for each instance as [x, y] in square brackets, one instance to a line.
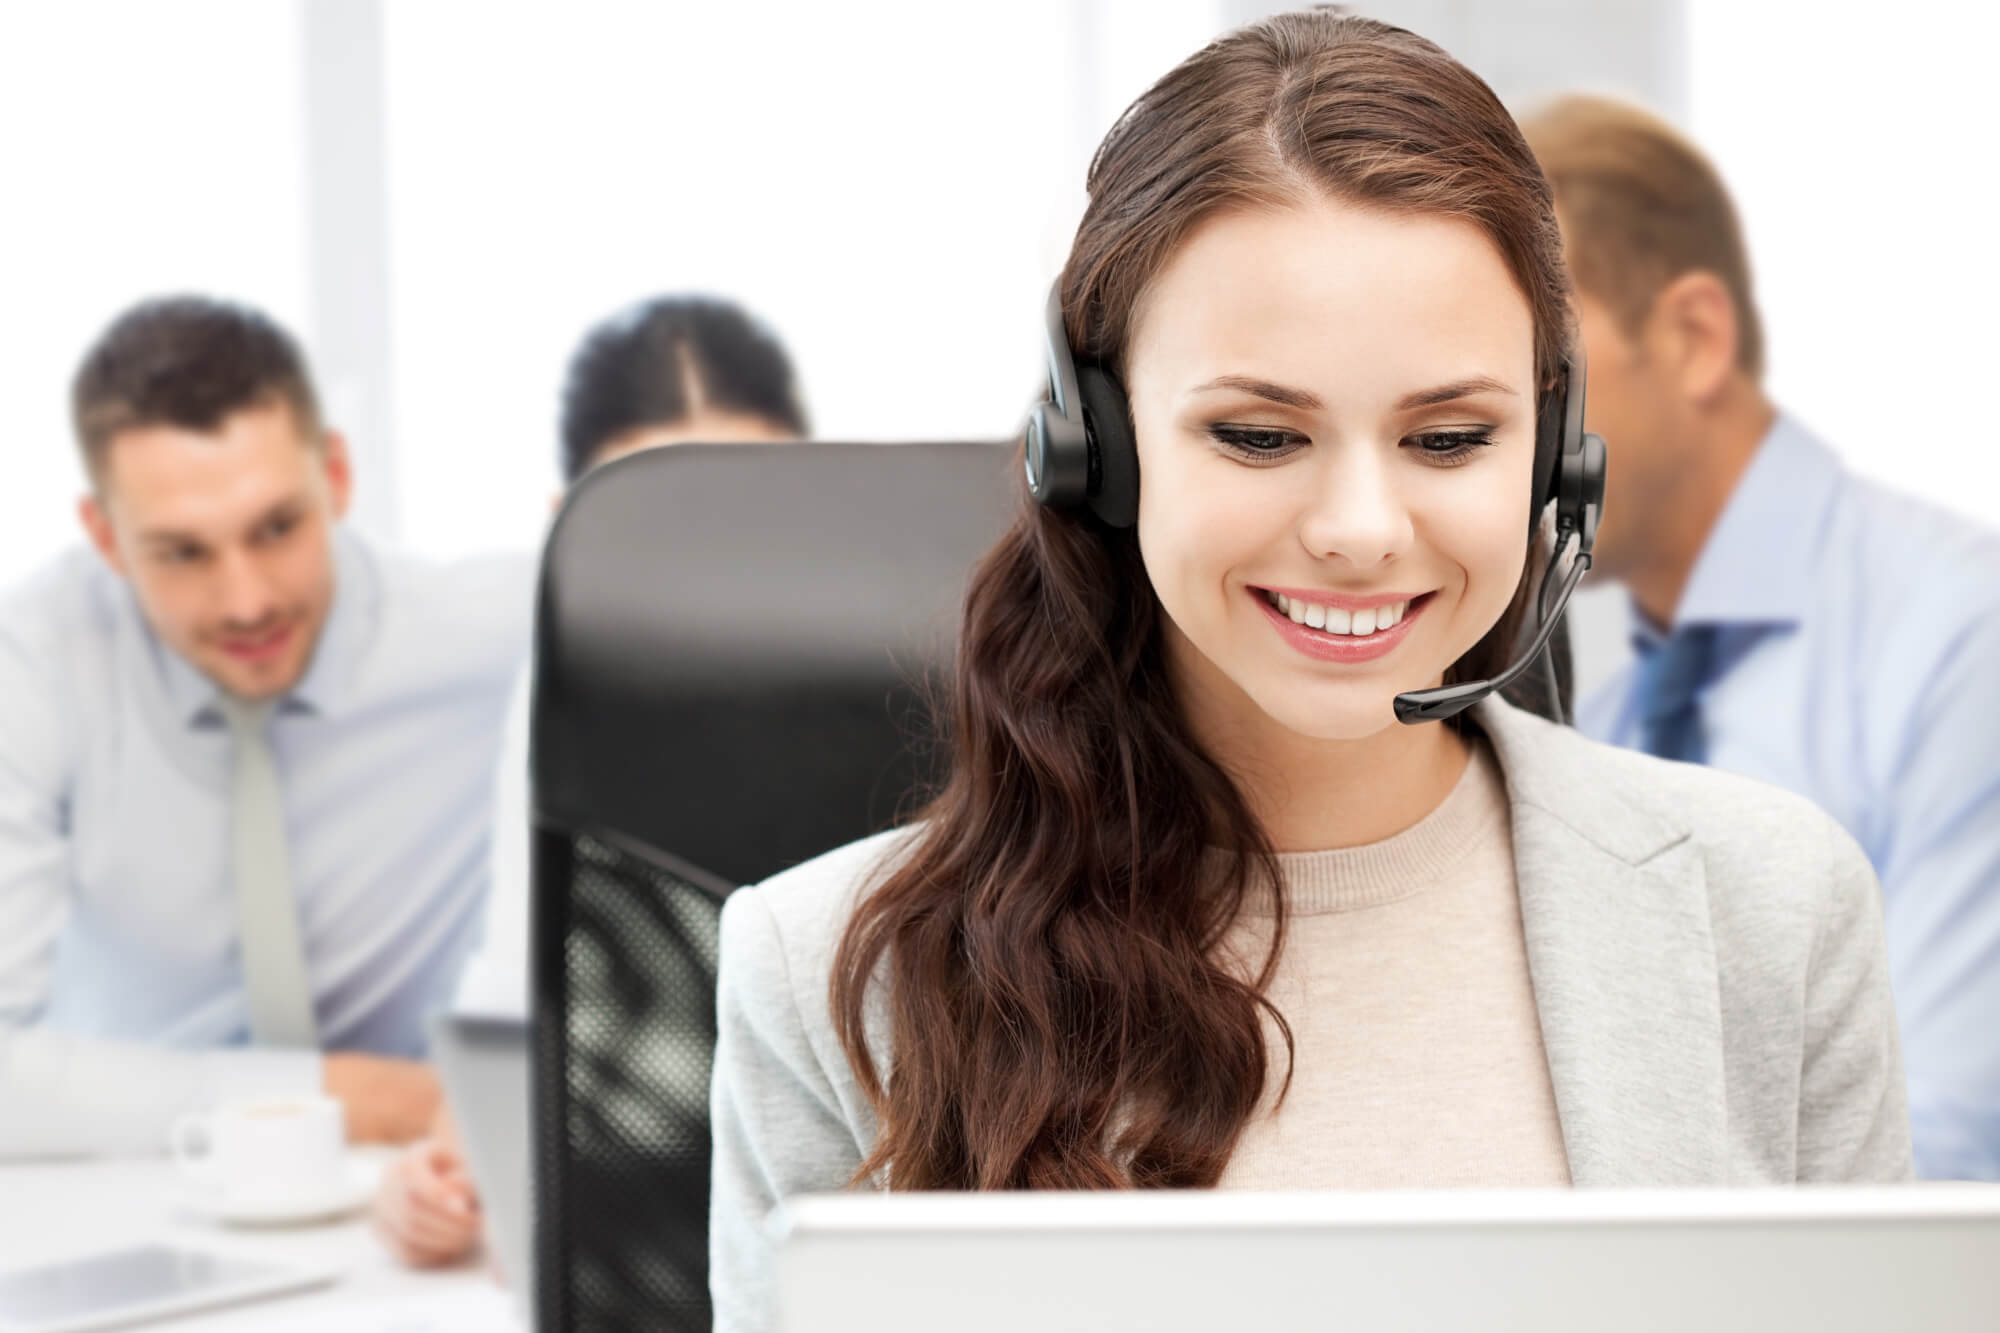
[1450, 700]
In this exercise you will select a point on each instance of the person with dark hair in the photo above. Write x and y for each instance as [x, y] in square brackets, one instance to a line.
[1194, 907]
[675, 369]
[245, 758]
[1789, 620]
[670, 370]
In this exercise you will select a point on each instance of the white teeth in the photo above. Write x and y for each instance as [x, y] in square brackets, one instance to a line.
[1336, 621]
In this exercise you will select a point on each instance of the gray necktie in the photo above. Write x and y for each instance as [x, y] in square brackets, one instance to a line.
[274, 960]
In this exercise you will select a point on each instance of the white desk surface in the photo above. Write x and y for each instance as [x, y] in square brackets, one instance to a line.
[52, 1210]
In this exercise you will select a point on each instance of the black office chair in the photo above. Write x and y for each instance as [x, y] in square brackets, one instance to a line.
[731, 655]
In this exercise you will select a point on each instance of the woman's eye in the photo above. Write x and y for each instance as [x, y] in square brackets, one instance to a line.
[1448, 447]
[1257, 443]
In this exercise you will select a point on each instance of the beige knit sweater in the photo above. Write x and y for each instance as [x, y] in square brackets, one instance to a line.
[1419, 1060]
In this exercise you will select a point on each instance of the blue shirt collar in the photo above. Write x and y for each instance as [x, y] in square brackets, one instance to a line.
[343, 642]
[1756, 570]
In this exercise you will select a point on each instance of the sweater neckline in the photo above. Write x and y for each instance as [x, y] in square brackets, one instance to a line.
[1403, 865]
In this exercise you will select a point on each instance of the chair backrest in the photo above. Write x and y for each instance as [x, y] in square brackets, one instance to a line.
[732, 650]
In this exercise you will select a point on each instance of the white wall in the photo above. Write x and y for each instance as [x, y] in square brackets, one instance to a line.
[1859, 143]
[891, 183]
[144, 148]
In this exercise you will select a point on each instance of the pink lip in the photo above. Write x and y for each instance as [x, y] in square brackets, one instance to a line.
[258, 650]
[1324, 647]
[1342, 602]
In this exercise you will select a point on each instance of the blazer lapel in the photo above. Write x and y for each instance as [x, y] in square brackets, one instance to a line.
[1614, 909]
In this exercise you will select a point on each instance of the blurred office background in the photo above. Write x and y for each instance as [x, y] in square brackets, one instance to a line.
[439, 195]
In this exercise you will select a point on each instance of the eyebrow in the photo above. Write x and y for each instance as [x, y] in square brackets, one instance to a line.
[1286, 396]
[285, 508]
[1452, 392]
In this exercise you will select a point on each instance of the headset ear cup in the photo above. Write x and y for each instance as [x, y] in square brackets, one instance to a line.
[1114, 494]
[1056, 456]
[1583, 489]
[1548, 448]
[1576, 481]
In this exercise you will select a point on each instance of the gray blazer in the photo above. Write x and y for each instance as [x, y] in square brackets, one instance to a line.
[1706, 953]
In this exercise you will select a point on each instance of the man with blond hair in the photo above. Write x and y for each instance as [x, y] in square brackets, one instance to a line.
[1789, 620]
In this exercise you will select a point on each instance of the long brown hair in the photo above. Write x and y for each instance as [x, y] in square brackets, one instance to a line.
[1057, 1018]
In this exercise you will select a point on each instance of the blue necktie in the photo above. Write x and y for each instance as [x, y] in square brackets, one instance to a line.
[1671, 676]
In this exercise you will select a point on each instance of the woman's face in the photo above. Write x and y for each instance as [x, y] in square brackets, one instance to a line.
[1335, 413]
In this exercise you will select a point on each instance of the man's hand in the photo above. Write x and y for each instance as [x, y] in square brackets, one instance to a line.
[387, 1101]
[426, 1208]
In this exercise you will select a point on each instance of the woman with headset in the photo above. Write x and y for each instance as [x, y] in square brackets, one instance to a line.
[1224, 889]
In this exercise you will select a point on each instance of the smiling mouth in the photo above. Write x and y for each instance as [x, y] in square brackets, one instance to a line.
[256, 646]
[1336, 622]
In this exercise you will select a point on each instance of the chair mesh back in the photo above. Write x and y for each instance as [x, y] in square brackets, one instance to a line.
[730, 646]
[639, 1027]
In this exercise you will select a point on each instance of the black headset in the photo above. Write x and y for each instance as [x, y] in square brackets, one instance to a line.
[1080, 452]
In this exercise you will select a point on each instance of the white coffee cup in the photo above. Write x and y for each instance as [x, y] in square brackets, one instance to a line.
[265, 1151]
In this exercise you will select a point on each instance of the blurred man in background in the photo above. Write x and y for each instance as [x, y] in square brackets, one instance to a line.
[245, 761]
[671, 370]
[1789, 620]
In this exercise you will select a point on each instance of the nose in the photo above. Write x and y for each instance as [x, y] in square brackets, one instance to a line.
[1356, 514]
[244, 593]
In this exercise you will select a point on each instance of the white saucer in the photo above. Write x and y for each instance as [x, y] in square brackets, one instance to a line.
[351, 1193]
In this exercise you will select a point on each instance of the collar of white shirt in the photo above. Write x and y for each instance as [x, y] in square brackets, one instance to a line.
[1758, 566]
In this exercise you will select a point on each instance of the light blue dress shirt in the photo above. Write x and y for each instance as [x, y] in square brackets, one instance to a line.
[121, 995]
[1859, 665]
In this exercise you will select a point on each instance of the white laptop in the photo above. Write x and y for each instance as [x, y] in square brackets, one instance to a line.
[1828, 1260]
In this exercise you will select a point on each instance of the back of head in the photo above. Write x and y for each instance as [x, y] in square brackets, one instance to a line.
[666, 361]
[189, 362]
[1641, 206]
